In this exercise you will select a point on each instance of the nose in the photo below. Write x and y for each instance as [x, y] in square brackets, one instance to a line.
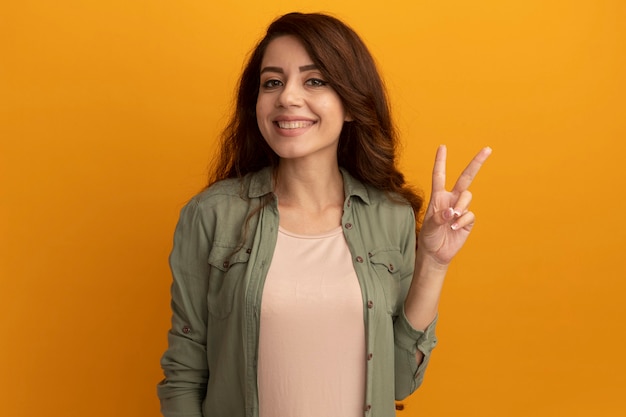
[291, 95]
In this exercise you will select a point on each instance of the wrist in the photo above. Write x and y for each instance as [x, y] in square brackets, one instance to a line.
[429, 262]
[422, 300]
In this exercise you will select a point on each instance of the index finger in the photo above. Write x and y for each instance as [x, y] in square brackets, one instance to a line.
[439, 169]
[469, 173]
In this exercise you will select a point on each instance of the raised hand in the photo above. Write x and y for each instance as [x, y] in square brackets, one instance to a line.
[448, 221]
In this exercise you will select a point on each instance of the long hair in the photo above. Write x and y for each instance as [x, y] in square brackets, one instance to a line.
[368, 143]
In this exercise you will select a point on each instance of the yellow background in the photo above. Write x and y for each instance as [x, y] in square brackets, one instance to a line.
[108, 115]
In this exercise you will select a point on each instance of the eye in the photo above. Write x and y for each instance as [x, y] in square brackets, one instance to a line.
[272, 83]
[316, 82]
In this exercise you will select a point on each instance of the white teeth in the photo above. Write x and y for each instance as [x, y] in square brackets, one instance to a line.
[294, 125]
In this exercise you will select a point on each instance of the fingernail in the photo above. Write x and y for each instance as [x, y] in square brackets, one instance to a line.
[454, 226]
[448, 214]
[457, 213]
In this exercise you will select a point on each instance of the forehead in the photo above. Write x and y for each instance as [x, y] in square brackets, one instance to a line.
[285, 50]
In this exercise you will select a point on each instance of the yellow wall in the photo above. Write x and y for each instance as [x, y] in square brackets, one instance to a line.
[108, 114]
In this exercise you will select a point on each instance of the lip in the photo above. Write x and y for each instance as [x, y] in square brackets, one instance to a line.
[287, 118]
[292, 126]
[293, 120]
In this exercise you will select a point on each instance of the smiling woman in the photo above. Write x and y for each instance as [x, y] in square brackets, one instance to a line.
[298, 289]
[298, 112]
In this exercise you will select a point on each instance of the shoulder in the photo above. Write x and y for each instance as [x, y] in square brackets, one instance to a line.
[221, 209]
[387, 198]
[217, 192]
[234, 191]
[386, 221]
[374, 197]
[388, 210]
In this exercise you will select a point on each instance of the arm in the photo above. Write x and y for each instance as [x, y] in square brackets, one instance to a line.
[412, 347]
[446, 226]
[185, 362]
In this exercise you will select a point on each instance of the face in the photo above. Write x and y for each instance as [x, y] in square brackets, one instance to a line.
[298, 112]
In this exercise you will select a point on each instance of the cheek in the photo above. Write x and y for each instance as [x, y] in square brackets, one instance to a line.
[259, 114]
[334, 107]
[323, 107]
[262, 118]
[334, 104]
[264, 105]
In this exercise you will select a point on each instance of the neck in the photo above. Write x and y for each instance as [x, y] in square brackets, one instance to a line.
[308, 186]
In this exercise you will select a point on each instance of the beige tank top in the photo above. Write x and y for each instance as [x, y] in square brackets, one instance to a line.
[312, 339]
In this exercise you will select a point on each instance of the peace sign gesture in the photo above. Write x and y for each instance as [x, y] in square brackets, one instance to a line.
[448, 221]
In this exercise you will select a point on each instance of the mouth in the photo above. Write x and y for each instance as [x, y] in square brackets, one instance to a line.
[293, 124]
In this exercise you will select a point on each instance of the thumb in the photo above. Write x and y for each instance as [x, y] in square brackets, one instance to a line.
[445, 216]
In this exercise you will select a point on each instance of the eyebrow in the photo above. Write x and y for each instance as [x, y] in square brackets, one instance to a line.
[281, 71]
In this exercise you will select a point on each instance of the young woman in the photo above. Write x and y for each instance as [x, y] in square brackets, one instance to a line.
[301, 287]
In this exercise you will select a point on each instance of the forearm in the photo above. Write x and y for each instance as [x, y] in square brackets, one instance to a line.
[422, 300]
[413, 349]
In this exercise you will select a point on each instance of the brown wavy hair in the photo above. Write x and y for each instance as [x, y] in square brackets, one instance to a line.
[367, 145]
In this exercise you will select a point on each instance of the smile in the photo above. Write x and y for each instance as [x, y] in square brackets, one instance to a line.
[295, 124]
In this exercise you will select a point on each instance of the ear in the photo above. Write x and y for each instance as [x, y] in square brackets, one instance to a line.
[348, 118]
